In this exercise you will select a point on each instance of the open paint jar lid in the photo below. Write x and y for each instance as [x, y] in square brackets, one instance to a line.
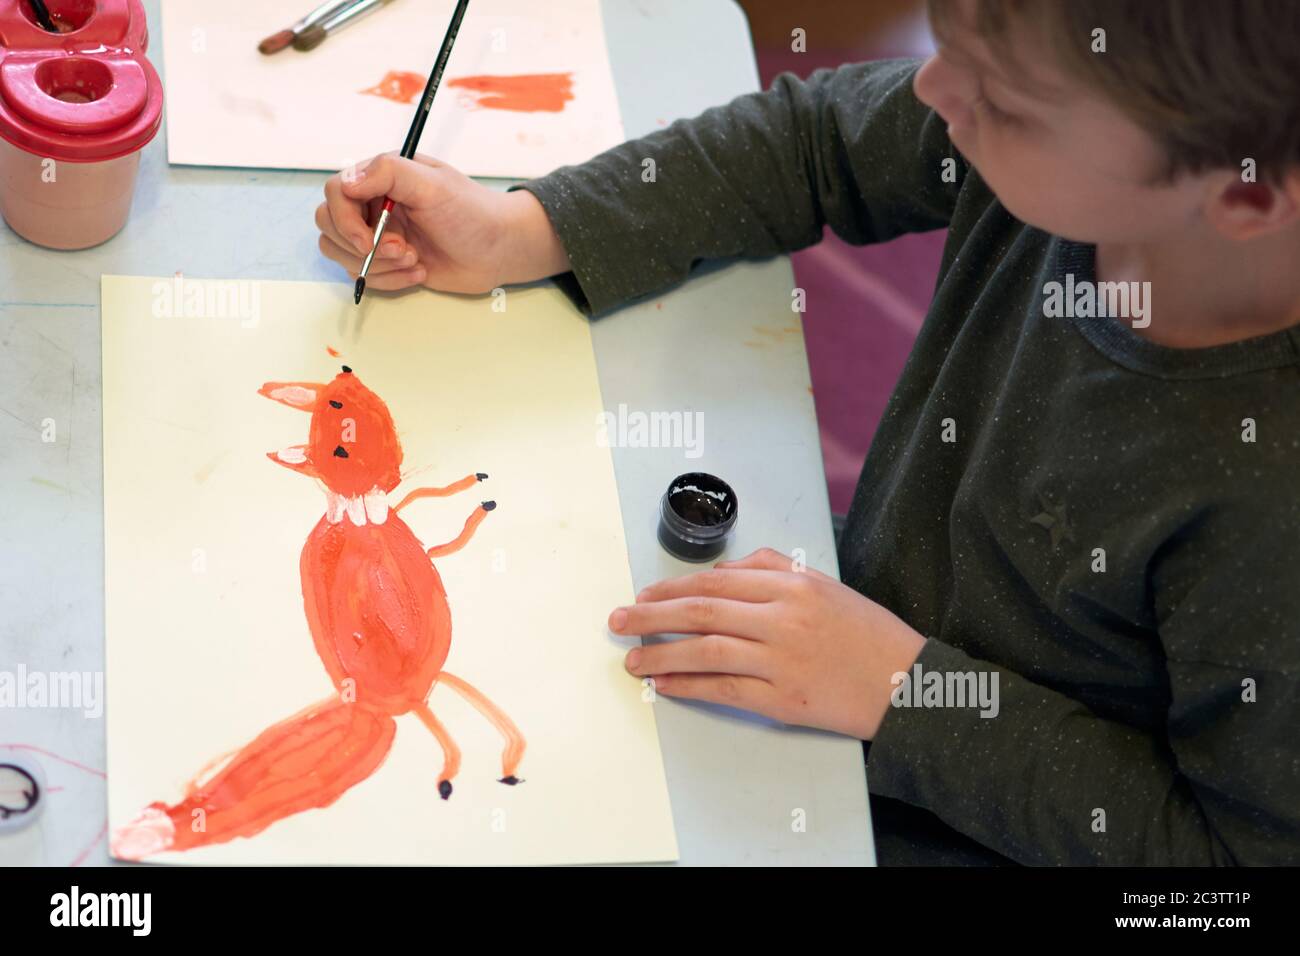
[22, 790]
[82, 95]
[696, 516]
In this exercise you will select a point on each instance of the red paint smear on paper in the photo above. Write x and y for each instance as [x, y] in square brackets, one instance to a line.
[524, 93]
[332, 351]
[380, 623]
[398, 86]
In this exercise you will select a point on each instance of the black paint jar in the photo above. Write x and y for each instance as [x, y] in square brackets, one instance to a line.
[696, 515]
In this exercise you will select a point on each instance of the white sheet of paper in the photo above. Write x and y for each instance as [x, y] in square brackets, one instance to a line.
[207, 642]
[228, 105]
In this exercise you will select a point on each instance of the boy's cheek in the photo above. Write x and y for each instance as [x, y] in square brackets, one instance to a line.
[1039, 189]
[962, 135]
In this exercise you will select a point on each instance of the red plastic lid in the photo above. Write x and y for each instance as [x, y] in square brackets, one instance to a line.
[85, 95]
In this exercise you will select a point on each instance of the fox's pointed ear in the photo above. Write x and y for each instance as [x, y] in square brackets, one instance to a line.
[294, 458]
[299, 395]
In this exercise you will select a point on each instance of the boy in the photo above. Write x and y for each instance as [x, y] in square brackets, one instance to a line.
[1083, 493]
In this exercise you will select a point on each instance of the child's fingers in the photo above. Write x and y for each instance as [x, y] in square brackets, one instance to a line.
[347, 217]
[693, 615]
[767, 559]
[746, 693]
[356, 169]
[405, 181]
[738, 584]
[352, 262]
[393, 245]
[332, 250]
[396, 280]
[710, 654]
[329, 231]
[424, 159]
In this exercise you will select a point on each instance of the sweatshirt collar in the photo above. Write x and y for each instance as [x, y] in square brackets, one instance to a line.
[1114, 339]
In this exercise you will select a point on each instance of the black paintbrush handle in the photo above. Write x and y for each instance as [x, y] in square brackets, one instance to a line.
[43, 15]
[435, 78]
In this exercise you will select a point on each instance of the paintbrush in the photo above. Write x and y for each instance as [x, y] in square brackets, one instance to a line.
[278, 41]
[43, 16]
[314, 36]
[413, 137]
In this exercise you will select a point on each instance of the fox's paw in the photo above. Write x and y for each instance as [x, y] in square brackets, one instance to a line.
[151, 832]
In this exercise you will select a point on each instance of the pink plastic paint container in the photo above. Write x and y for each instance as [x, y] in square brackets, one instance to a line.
[76, 108]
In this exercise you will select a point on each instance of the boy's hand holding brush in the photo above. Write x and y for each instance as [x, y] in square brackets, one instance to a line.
[445, 230]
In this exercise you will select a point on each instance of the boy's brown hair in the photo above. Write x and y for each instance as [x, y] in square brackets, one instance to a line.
[1216, 82]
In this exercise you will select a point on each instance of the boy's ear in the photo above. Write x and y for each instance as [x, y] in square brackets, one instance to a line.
[299, 395]
[1241, 210]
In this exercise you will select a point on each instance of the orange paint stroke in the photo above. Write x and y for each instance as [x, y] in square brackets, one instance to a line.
[524, 93]
[332, 351]
[381, 625]
[398, 86]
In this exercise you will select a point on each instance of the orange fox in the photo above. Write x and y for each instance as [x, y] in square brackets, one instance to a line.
[379, 618]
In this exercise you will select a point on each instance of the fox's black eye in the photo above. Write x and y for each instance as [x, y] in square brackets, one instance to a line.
[336, 404]
[340, 452]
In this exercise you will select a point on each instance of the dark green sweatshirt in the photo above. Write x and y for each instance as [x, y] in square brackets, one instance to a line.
[1109, 526]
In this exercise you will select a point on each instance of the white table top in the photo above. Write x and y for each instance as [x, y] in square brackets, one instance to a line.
[744, 790]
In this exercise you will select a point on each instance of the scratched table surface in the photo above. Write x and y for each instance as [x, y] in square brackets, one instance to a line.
[744, 790]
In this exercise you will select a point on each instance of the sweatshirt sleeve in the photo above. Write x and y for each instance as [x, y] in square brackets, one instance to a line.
[850, 148]
[1219, 784]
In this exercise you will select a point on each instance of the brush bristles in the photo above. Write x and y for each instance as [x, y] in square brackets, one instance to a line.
[309, 39]
[275, 42]
[359, 290]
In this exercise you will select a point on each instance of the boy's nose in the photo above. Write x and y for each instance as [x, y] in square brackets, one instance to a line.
[946, 89]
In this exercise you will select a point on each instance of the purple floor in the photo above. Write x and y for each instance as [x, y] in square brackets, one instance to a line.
[864, 306]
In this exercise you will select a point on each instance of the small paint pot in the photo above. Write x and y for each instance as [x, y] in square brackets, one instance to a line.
[696, 515]
[76, 108]
[22, 790]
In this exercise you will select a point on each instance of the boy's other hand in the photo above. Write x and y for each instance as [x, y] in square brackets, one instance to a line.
[794, 645]
[446, 231]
